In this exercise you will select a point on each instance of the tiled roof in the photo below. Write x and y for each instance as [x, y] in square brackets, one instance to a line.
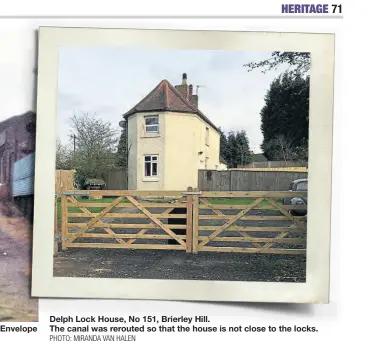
[164, 97]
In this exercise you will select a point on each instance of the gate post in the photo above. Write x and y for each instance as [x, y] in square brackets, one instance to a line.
[64, 221]
[189, 233]
[195, 220]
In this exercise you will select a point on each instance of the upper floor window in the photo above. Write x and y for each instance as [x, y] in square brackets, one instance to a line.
[151, 124]
[207, 136]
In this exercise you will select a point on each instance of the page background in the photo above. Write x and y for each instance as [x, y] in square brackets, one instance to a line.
[344, 315]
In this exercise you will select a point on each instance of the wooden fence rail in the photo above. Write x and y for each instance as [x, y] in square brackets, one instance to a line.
[247, 180]
[252, 222]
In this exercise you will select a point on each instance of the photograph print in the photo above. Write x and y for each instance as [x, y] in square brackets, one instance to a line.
[182, 164]
[187, 165]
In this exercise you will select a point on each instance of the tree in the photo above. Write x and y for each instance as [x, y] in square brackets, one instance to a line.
[95, 145]
[284, 116]
[243, 154]
[281, 149]
[122, 155]
[64, 156]
[232, 149]
[224, 148]
[299, 62]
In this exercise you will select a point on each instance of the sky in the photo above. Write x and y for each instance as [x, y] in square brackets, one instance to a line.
[109, 81]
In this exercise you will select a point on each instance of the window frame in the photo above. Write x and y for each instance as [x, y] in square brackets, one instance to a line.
[302, 183]
[151, 162]
[152, 125]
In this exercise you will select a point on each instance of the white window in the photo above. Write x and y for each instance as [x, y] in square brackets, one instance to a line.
[150, 165]
[151, 123]
[207, 136]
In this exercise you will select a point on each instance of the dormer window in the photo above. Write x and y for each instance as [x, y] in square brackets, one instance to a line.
[151, 124]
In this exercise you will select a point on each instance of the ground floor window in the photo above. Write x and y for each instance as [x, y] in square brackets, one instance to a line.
[150, 165]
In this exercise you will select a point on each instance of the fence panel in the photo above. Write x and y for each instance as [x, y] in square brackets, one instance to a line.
[125, 219]
[213, 180]
[246, 180]
[273, 164]
[116, 180]
[64, 180]
[251, 222]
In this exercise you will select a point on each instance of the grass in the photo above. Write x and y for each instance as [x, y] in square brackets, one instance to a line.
[78, 210]
[214, 201]
[243, 201]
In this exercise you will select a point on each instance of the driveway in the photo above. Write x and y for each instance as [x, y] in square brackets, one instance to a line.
[15, 269]
[173, 264]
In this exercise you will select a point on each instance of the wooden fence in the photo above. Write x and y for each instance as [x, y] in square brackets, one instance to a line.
[64, 180]
[253, 222]
[116, 180]
[123, 220]
[273, 164]
[246, 180]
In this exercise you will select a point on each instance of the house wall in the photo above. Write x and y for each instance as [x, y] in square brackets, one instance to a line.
[185, 138]
[222, 166]
[15, 144]
[23, 176]
[146, 144]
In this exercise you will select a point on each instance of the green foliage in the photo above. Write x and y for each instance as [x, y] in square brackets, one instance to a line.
[234, 148]
[284, 118]
[95, 145]
[64, 156]
[123, 148]
[224, 150]
[79, 178]
[242, 155]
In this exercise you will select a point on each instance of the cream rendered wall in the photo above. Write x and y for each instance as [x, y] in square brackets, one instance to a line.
[222, 166]
[150, 144]
[184, 139]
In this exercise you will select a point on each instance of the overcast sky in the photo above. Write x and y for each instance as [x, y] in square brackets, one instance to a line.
[109, 81]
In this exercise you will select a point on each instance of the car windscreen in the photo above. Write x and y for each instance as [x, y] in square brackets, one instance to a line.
[302, 186]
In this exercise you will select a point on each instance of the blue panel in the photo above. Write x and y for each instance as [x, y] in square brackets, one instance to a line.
[23, 177]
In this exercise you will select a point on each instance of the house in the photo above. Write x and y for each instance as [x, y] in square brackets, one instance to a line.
[169, 139]
[17, 147]
[17, 140]
[223, 164]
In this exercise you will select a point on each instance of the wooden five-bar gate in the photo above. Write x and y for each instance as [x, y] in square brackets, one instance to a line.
[192, 221]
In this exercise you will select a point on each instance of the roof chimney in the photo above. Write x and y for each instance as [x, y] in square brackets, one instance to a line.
[190, 94]
[184, 81]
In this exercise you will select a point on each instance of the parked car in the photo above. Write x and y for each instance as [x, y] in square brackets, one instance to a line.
[94, 184]
[300, 185]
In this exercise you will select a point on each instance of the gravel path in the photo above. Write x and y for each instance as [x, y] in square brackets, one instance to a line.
[169, 264]
[172, 264]
[15, 269]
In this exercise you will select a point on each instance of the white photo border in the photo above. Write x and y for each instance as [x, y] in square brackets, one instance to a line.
[316, 287]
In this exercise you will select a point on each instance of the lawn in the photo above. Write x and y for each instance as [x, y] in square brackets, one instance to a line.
[238, 201]
[214, 201]
[78, 210]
